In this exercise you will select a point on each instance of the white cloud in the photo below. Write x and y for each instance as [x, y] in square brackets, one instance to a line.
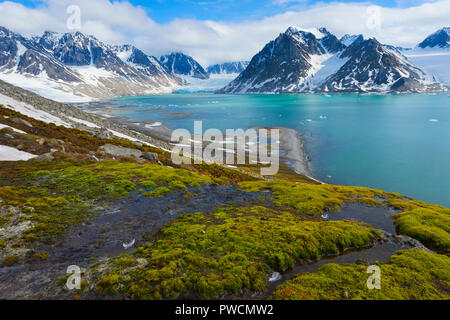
[212, 41]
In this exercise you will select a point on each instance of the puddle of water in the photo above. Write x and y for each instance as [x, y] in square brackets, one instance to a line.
[377, 217]
[103, 237]
[380, 251]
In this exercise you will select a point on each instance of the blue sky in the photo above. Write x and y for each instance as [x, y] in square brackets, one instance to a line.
[215, 31]
[163, 11]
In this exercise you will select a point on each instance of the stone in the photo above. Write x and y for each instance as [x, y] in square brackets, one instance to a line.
[104, 134]
[45, 157]
[120, 151]
[275, 277]
[21, 121]
[150, 156]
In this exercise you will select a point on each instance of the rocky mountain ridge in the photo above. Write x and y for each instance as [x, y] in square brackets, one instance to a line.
[81, 66]
[314, 60]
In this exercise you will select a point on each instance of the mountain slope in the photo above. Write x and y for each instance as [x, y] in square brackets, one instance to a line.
[372, 67]
[439, 39]
[347, 40]
[286, 63]
[433, 55]
[228, 67]
[74, 67]
[181, 64]
[146, 64]
[316, 61]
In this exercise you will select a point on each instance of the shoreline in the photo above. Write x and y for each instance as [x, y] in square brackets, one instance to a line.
[292, 152]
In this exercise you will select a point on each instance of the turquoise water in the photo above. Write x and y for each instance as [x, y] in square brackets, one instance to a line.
[380, 141]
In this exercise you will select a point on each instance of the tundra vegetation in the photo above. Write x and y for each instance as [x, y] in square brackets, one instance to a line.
[230, 251]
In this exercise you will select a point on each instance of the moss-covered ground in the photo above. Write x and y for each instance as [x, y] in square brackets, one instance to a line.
[409, 275]
[206, 255]
[233, 249]
[425, 222]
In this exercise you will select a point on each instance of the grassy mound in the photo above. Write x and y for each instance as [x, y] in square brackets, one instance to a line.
[430, 224]
[315, 199]
[208, 255]
[409, 275]
[425, 222]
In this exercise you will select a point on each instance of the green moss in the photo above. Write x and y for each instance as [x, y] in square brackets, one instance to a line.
[174, 185]
[10, 260]
[206, 255]
[2, 243]
[148, 184]
[158, 192]
[409, 275]
[430, 224]
[427, 223]
[43, 255]
[315, 199]
[61, 193]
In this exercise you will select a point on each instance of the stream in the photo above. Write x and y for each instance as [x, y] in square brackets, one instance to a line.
[137, 219]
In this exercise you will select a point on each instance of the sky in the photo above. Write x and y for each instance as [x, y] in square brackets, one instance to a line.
[225, 30]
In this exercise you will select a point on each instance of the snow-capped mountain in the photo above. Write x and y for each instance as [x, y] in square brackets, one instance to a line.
[180, 64]
[371, 67]
[432, 55]
[24, 56]
[75, 67]
[349, 39]
[146, 64]
[439, 39]
[228, 67]
[314, 60]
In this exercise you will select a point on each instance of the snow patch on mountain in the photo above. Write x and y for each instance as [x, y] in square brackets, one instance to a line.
[44, 86]
[13, 154]
[434, 61]
[318, 33]
[31, 111]
[347, 39]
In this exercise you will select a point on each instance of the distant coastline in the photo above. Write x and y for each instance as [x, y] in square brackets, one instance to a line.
[292, 152]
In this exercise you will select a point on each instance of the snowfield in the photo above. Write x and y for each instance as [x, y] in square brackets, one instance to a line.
[44, 86]
[12, 154]
[435, 62]
[30, 111]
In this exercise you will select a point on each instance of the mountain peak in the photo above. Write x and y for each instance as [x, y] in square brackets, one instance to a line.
[319, 33]
[348, 39]
[182, 64]
[439, 39]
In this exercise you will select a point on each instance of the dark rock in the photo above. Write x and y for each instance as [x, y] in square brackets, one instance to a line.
[150, 156]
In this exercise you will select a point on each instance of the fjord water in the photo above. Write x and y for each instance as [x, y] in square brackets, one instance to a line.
[398, 143]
